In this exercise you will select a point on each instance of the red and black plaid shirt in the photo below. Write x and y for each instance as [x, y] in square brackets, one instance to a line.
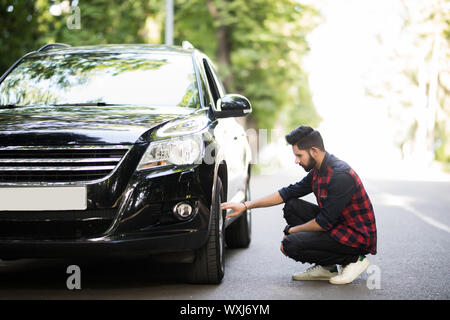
[346, 212]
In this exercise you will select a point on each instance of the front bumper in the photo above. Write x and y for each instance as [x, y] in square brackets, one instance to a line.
[170, 242]
[139, 219]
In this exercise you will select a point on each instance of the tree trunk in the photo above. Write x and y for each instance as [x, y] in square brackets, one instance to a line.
[223, 53]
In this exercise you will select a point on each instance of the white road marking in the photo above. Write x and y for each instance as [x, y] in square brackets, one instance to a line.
[428, 220]
[404, 203]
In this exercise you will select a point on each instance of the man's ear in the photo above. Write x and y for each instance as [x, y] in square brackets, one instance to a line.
[314, 151]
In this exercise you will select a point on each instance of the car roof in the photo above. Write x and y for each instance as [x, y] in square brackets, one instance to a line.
[116, 49]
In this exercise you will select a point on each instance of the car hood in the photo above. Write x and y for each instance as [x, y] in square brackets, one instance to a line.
[82, 125]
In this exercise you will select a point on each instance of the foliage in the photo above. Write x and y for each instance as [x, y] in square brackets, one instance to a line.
[266, 43]
[419, 98]
[30, 24]
[18, 30]
[258, 45]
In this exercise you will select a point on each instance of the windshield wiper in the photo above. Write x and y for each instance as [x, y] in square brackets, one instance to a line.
[10, 106]
[88, 104]
[14, 106]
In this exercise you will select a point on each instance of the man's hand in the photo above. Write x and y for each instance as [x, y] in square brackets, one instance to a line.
[237, 208]
[311, 225]
[267, 201]
[286, 229]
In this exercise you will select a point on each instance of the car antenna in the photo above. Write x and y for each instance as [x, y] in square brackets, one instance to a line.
[53, 45]
[187, 45]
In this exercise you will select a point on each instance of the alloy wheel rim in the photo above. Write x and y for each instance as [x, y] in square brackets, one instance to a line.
[249, 217]
[221, 241]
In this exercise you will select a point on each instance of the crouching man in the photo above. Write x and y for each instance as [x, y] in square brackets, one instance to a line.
[339, 230]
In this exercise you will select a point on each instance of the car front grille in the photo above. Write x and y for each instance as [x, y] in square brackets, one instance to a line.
[54, 225]
[58, 164]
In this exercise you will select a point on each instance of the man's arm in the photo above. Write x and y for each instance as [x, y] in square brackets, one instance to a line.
[299, 189]
[311, 225]
[267, 201]
[340, 192]
[296, 190]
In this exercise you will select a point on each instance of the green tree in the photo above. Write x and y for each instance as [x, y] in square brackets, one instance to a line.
[18, 30]
[258, 46]
[419, 98]
[101, 22]
[27, 25]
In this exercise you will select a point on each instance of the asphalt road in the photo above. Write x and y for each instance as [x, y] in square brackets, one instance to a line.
[413, 258]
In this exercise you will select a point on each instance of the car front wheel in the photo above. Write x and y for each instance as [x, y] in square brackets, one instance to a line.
[209, 263]
[239, 233]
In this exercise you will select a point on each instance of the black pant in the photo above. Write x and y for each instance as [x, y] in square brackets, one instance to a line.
[314, 247]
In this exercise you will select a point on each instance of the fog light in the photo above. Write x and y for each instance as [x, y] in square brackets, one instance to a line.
[183, 210]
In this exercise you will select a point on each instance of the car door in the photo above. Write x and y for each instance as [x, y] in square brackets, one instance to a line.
[231, 137]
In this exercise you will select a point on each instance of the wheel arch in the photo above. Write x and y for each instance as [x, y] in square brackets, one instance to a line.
[222, 173]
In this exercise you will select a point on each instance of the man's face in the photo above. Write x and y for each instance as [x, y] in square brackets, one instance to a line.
[303, 158]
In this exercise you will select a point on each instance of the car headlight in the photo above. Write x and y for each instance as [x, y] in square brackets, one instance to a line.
[185, 150]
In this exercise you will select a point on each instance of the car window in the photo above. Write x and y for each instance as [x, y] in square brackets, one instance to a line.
[112, 78]
[215, 85]
[219, 83]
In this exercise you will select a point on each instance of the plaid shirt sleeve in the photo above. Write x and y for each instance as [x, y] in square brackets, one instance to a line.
[340, 191]
[297, 190]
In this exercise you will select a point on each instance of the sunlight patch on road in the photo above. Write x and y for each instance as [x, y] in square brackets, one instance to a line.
[343, 64]
[404, 202]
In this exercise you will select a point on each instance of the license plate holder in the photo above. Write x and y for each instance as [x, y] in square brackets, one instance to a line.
[43, 198]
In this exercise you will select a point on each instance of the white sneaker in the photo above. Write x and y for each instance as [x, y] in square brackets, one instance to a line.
[351, 271]
[315, 272]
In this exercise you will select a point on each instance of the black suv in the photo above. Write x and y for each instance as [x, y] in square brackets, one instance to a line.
[119, 149]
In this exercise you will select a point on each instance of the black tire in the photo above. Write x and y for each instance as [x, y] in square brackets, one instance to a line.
[209, 263]
[239, 233]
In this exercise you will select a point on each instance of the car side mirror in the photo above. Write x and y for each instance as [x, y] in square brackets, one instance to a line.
[233, 105]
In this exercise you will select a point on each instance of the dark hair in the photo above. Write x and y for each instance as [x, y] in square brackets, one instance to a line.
[305, 137]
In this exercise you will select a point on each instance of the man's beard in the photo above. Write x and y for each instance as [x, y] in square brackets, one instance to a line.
[311, 163]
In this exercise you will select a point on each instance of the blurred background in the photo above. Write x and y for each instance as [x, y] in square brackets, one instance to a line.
[372, 76]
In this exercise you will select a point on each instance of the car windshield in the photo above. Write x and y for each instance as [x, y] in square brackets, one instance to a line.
[103, 78]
